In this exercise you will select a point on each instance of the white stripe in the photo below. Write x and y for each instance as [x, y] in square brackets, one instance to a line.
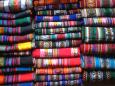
[23, 4]
[87, 34]
[6, 5]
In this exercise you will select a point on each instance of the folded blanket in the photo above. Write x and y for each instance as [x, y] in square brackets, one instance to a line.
[57, 62]
[21, 84]
[15, 15]
[17, 47]
[57, 44]
[15, 5]
[17, 78]
[58, 36]
[98, 75]
[16, 22]
[98, 34]
[101, 21]
[60, 83]
[15, 70]
[58, 70]
[16, 30]
[16, 39]
[61, 52]
[98, 12]
[98, 49]
[97, 3]
[44, 2]
[14, 53]
[58, 24]
[98, 62]
[46, 78]
[48, 31]
[16, 61]
[56, 12]
[58, 18]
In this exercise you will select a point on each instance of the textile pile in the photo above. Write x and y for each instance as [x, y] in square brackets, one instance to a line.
[57, 41]
[98, 35]
[15, 43]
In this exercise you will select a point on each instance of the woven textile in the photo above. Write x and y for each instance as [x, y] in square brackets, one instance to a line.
[61, 52]
[60, 83]
[61, 77]
[58, 70]
[96, 62]
[57, 18]
[13, 39]
[57, 44]
[58, 62]
[102, 21]
[45, 2]
[58, 24]
[48, 31]
[99, 49]
[16, 30]
[57, 12]
[58, 36]
[15, 61]
[21, 84]
[97, 3]
[16, 22]
[98, 75]
[98, 34]
[15, 5]
[15, 70]
[26, 77]
[16, 15]
[98, 12]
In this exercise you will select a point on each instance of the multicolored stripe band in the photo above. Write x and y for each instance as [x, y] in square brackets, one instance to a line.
[46, 78]
[98, 12]
[98, 34]
[57, 44]
[58, 70]
[47, 31]
[61, 52]
[58, 36]
[58, 62]
[58, 18]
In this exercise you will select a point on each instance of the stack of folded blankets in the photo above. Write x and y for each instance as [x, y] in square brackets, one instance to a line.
[57, 40]
[15, 43]
[98, 35]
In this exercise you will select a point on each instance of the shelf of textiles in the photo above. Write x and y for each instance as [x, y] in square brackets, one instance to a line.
[57, 41]
[16, 65]
[98, 32]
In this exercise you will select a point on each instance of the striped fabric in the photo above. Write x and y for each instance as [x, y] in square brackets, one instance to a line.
[57, 62]
[98, 49]
[61, 52]
[58, 70]
[60, 83]
[21, 84]
[58, 7]
[45, 2]
[58, 36]
[98, 12]
[57, 18]
[15, 61]
[97, 62]
[100, 21]
[61, 77]
[16, 30]
[57, 12]
[15, 5]
[58, 24]
[26, 77]
[98, 75]
[98, 34]
[97, 3]
[48, 31]
[57, 44]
